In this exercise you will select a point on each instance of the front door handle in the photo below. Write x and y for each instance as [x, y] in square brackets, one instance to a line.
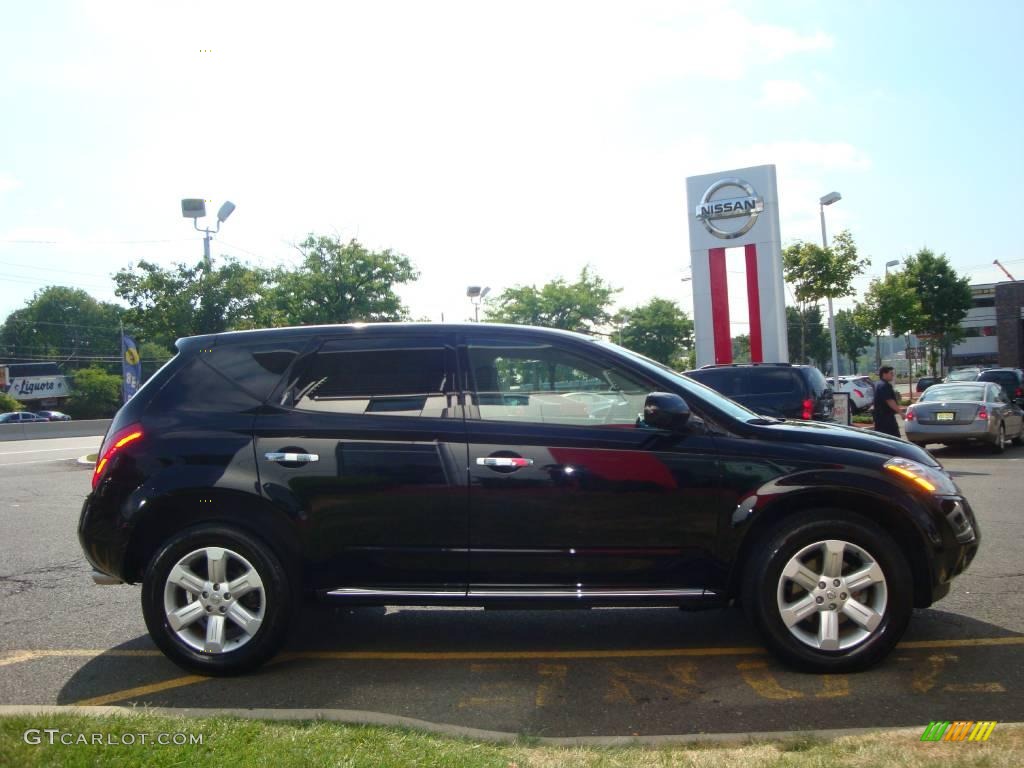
[514, 462]
[298, 458]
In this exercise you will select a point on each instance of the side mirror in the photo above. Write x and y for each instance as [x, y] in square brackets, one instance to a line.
[666, 410]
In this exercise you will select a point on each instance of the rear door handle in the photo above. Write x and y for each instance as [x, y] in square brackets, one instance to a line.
[504, 461]
[299, 458]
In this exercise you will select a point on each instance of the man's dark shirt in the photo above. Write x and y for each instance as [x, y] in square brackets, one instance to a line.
[885, 417]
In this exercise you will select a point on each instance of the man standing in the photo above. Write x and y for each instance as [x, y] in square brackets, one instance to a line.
[886, 403]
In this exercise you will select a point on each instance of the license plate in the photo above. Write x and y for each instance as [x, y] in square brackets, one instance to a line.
[944, 416]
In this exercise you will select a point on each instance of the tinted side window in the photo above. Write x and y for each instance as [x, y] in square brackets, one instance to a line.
[543, 384]
[778, 381]
[197, 386]
[395, 382]
[728, 381]
[255, 368]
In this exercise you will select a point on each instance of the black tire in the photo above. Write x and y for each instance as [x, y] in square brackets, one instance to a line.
[272, 602]
[999, 445]
[761, 590]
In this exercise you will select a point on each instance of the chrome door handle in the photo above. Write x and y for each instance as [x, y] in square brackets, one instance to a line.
[300, 458]
[504, 461]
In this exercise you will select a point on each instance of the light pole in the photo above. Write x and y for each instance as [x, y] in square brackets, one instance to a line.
[195, 209]
[476, 295]
[878, 348]
[831, 197]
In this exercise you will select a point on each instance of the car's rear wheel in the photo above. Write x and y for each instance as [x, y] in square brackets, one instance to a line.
[216, 601]
[999, 446]
[830, 591]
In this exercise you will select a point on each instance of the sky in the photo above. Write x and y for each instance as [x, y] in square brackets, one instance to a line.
[499, 144]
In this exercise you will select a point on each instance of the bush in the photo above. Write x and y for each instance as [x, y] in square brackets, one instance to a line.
[8, 403]
[95, 394]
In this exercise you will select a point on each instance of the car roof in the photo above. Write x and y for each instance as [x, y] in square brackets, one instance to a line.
[369, 329]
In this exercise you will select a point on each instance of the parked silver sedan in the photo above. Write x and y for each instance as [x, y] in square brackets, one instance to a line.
[962, 412]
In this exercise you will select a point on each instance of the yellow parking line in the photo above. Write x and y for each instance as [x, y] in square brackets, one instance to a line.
[17, 656]
[967, 642]
[141, 690]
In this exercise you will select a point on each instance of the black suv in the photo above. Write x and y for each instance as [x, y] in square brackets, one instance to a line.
[772, 389]
[1010, 379]
[500, 466]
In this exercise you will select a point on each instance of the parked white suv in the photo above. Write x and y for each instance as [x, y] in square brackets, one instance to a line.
[860, 389]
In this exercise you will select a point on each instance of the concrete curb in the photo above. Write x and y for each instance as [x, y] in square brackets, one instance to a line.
[358, 717]
[86, 461]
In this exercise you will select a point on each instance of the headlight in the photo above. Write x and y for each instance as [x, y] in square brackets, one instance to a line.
[922, 477]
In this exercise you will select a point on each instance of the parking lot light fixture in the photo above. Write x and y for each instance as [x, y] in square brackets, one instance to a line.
[831, 197]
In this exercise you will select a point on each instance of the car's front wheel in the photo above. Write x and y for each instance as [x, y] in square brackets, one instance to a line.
[216, 601]
[830, 591]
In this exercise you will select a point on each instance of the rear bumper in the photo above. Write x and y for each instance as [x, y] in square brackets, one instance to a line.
[940, 433]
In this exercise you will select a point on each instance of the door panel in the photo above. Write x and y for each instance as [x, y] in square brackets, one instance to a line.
[580, 498]
[380, 495]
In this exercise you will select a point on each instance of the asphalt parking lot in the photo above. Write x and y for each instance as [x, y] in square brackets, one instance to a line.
[620, 672]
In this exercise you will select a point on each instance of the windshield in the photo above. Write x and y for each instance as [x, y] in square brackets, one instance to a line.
[715, 399]
[952, 392]
[967, 375]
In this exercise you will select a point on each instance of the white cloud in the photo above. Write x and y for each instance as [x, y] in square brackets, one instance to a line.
[783, 93]
[8, 182]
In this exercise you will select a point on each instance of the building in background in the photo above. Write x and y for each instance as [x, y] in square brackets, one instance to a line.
[994, 327]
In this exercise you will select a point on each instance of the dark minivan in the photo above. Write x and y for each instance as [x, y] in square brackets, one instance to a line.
[500, 466]
[772, 389]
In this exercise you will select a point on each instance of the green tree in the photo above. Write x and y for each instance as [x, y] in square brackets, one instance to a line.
[893, 303]
[61, 324]
[182, 300]
[852, 337]
[944, 296]
[741, 348]
[824, 273]
[580, 306]
[658, 329]
[806, 335]
[341, 283]
[95, 394]
[8, 403]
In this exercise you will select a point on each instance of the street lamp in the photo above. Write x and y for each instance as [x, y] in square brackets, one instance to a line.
[476, 295]
[195, 209]
[892, 263]
[831, 197]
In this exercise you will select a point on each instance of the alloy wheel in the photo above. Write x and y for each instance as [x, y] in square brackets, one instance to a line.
[214, 600]
[832, 595]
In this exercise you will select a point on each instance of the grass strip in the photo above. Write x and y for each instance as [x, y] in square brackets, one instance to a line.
[228, 741]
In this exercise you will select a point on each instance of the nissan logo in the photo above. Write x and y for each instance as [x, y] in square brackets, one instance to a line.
[746, 206]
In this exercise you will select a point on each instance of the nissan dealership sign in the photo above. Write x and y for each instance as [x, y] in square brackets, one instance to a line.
[719, 203]
[737, 211]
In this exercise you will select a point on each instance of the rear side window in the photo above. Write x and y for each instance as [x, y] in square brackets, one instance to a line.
[778, 381]
[255, 368]
[1004, 378]
[388, 381]
[197, 386]
[728, 381]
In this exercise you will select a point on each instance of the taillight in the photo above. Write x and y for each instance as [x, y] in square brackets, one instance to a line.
[111, 446]
[808, 409]
[858, 393]
[909, 415]
[1019, 392]
[982, 413]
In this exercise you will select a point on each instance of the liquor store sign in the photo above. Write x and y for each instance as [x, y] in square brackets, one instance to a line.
[38, 387]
